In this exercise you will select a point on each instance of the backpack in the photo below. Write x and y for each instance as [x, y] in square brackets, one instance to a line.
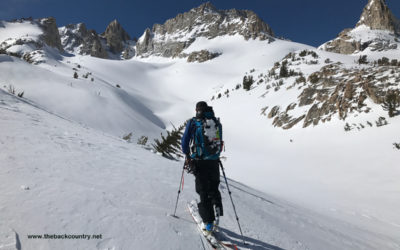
[206, 143]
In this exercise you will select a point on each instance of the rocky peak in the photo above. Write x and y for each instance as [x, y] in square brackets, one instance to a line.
[377, 15]
[82, 28]
[50, 32]
[76, 37]
[176, 34]
[207, 7]
[115, 36]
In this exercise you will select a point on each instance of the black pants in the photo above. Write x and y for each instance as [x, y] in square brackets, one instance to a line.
[207, 182]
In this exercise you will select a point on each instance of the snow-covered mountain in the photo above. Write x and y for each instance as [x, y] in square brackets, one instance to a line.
[76, 39]
[377, 30]
[336, 154]
[32, 40]
[205, 21]
[114, 43]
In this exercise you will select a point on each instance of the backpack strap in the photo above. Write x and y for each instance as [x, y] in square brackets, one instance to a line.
[195, 144]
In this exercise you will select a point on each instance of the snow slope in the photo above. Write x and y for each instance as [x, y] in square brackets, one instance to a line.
[58, 177]
[153, 92]
[14, 31]
[99, 103]
[352, 177]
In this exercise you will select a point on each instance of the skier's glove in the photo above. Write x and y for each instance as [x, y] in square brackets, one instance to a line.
[190, 165]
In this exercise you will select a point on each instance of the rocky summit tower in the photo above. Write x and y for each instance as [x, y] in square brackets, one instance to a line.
[377, 30]
[115, 36]
[378, 16]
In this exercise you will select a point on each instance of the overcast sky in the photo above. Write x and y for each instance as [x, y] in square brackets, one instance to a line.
[311, 22]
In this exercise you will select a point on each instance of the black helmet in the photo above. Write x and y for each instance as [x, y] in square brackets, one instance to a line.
[201, 108]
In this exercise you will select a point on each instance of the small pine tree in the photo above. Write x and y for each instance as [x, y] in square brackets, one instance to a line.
[284, 72]
[75, 75]
[384, 61]
[247, 82]
[313, 78]
[11, 89]
[142, 140]
[313, 54]
[127, 137]
[363, 59]
[169, 146]
[391, 102]
[303, 53]
[347, 127]
[381, 122]
[300, 79]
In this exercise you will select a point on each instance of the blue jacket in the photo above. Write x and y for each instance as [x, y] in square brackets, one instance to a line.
[190, 130]
[187, 136]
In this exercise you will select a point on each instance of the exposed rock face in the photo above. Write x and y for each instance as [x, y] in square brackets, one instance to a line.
[35, 45]
[176, 34]
[376, 16]
[128, 52]
[96, 48]
[86, 42]
[73, 36]
[334, 91]
[339, 91]
[50, 32]
[77, 38]
[343, 44]
[274, 111]
[116, 36]
[201, 56]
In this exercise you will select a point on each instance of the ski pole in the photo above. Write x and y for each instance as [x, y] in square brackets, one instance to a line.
[233, 205]
[179, 190]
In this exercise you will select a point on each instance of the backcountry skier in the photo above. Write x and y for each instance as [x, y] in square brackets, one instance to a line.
[202, 145]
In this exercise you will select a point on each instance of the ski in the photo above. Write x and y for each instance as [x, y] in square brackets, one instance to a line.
[212, 238]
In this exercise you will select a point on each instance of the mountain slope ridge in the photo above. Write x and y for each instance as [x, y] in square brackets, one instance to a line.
[99, 184]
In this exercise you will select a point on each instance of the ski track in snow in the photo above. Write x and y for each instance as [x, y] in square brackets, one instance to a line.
[58, 177]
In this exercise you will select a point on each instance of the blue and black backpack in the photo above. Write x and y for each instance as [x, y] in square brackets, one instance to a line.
[206, 142]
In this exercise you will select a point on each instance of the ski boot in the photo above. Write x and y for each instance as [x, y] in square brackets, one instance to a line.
[207, 228]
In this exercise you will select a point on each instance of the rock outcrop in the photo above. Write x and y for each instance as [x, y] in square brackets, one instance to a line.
[115, 36]
[77, 38]
[176, 34]
[50, 32]
[378, 16]
[376, 30]
[333, 91]
[37, 44]
[201, 56]
[114, 43]
[339, 91]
